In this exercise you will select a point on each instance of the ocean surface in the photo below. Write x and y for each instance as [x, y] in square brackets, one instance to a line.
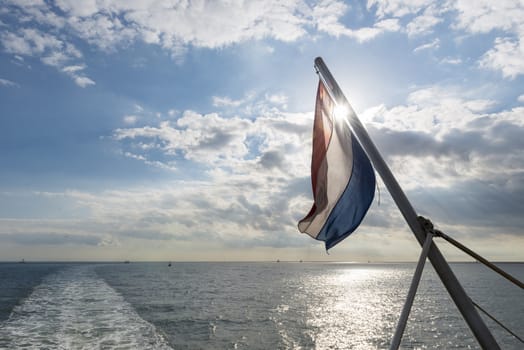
[245, 306]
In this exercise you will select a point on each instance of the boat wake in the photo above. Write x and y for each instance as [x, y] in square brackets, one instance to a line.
[76, 309]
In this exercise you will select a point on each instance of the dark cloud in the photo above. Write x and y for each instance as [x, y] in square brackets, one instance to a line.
[154, 217]
[217, 139]
[275, 239]
[293, 128]
[50, 239]
[404, 142]
[475, 203]
[272, 159]
[149, 235]
[493, 139]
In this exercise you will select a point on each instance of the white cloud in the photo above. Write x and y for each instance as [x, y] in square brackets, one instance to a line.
[176, 26]
[130, 119]
[255, 183]
[226, 102]
[397, 8]
[487, 15]
[83, 8]
[506, 18]
[55, 59]
[451, 60]
[205, 24]
[75, 73]
[52, 51]
[8, 83]
[83, 81]
[104, 30]
[73, 69]
[441, 139]
[29, 42]
[423, 24]
[277, 99]
[438, 124]
[433, 45]
[228, 145]
[369, 33]
[327, 15]
[506, 56]
[521, 98]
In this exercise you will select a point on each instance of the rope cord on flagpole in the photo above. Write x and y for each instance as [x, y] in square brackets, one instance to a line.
[395, 343]
[497, 321]
[479, 258]
[428, 226]
[378, 189]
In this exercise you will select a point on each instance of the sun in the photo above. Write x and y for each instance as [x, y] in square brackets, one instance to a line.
[340, 112]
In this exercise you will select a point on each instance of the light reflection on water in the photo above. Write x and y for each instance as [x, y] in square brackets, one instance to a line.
[358, 306]
[349, 310]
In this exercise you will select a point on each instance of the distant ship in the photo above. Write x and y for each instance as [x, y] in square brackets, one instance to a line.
[126, 262]
[169, 264]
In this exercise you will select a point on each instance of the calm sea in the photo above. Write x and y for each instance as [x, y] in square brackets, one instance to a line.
[244, 306]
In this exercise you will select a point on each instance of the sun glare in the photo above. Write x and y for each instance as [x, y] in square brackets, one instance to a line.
[340, 111]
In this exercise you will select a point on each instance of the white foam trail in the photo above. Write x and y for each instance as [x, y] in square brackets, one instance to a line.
[75, 309]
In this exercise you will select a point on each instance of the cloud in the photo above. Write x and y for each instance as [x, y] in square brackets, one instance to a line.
[75, 73]
[30, 42]
[506, 19]
[452, 155]
[327, 15]
[8, 83]
[226, 102]
[109, 25]
[229, 210]
[424, 24]
[52, 51]
[52, 32]
[455, 159]
[451, 60]
[73, 69]
[218, 141]
[43, 238]
[486, 16]
[130, 119]
[435, 44]
[255, 168]
[242, 170]
[209, 24]
[83, 81]
[397, 8]
[252, 103]
[507, 54]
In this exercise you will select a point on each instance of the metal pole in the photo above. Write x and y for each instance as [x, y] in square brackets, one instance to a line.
[402, 321]
[457, 293]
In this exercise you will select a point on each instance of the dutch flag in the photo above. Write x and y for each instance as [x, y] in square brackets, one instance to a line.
[342, 176]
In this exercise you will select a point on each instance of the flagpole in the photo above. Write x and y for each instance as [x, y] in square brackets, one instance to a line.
[403, 320]
[448, 278]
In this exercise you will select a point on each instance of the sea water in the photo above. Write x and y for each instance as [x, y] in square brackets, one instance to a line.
[245, 306]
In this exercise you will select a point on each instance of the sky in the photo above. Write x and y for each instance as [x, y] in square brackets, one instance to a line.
[181, 130]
